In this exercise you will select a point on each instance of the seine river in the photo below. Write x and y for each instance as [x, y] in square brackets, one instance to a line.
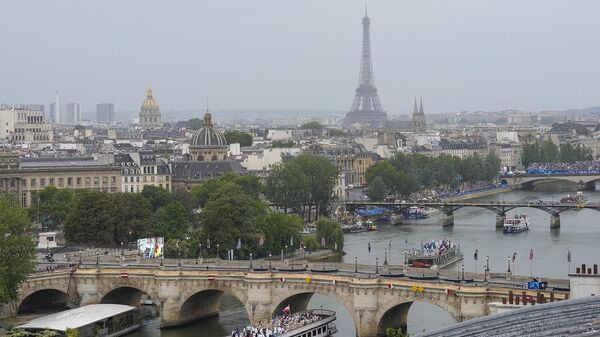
[474, 228]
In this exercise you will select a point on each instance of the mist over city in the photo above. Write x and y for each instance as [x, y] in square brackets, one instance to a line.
[299, 168]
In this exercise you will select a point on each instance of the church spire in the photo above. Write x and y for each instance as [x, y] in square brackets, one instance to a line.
[421, 106]
[415, 110]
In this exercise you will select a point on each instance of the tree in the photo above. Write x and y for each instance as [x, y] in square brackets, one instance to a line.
[313, 125]
[187, 200]
[51, 206]
[175, 248]
[243, 138]
[548, 152]
[229, 215]
[171, 221]
[491, 166]
[286, 187]
[322, 175]
[393, 332]
[336, 133]
[332, 232]
[195, 124]
[157, 196]
[278, 230]
[17, 249]
[283, 143]
[250, 184]
[377, 190]
[204, 191]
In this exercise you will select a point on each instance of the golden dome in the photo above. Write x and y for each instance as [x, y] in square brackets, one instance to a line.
[150, 102]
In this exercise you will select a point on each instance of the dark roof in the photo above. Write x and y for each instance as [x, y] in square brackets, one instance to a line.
[208, 137]
[203, 170]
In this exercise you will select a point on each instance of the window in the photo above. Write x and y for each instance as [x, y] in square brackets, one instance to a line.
[152, 178]
[113, 179]
[70, 181]
[33, 182]
[12, 183]
[104, 180]
[137, 179]
[96, 181]
[88, 180]
[61, 181]
[125, 179]
[24, 182]
[52, 181]
[145, 179]
[78, 181]
[42, 182]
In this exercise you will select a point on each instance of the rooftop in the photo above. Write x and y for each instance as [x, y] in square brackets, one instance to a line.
[76, 318]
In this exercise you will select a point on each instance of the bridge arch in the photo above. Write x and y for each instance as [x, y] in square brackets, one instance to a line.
[44, 301]
[205, 303]
[396, 315]
[127, 295]
[299, 296]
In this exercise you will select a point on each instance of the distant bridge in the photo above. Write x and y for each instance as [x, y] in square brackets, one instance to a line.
[500, 208]
[376, 297]
[529, 181]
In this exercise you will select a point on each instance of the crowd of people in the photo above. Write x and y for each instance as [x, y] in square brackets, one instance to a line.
[436, 194]
[433, 248]
[578, 167]
[53, 267]
[277, 325]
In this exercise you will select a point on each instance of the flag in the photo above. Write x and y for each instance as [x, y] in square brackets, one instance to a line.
[390, 286]
[322, 241]
[286, 310]
[476, 254]
[261, 241]
[239, 245]
[282, 279]
[334, 282]
[569, 256]
[390, 245]
[531, 254]
[447, 291]
[291, 241]
[369, 247]
[307, 279]
[514, 257]
[208, 243]
[335, 246]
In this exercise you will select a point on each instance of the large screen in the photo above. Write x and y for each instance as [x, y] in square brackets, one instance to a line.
[151, 247]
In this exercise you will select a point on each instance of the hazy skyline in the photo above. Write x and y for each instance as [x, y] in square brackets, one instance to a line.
[460, 55]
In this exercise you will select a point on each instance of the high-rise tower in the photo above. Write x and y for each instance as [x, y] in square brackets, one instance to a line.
[366, 108]
[419, 123]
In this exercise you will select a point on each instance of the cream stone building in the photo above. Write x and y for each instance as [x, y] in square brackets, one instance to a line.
[24, 126]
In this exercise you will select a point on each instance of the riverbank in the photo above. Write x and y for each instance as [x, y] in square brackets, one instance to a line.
[476, 195]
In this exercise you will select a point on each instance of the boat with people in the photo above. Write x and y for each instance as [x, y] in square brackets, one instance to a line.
[435, 254]
[315, 322]
[575, 199]
[415, 213]
[519, 223]
[371, 226]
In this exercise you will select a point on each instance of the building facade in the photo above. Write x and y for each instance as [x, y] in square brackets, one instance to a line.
[24, 126]
[150, 112]
[142, 169]
[34, 175]
[105, 113]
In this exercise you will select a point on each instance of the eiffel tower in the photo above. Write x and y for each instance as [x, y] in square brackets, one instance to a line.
[366, 108]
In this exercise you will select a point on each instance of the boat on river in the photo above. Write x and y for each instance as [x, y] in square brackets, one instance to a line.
[316, 322]
[434, 254]
[575, 199]
[519, 223]
[415, 213]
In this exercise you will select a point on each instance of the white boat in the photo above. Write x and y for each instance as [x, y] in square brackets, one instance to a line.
[519, 223]
[316, 322]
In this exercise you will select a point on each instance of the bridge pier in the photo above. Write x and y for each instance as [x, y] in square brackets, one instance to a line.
[500, 218]
[555, 221]
[448, 219]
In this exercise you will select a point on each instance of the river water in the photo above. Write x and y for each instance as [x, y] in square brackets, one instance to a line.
[474, 228]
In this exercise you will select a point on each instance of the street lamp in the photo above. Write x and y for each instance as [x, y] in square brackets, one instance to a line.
[355, 264]
[286, 251]
[405, 257]
[97, 258]
[376, 265]
[199, 253]
[218, 257]
[250, 260]
[463, 271]
[122, 254]
[508, 261]
[269, 261]
[179, 259]
[487, 263]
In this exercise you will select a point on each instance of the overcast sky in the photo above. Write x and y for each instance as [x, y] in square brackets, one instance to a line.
[458, 54]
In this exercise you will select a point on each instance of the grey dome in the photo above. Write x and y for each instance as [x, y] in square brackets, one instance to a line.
[208, 136]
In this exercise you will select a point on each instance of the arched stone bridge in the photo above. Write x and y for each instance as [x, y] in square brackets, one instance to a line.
[529, 181]
[500, 208]
[182, 295]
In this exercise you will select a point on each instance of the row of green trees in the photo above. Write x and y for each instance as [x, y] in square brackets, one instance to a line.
[221, 211]
[407, 173]
[548, 152]
[302, 185]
